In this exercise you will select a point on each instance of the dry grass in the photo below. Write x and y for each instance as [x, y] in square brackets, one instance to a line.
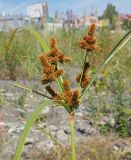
[95, 148]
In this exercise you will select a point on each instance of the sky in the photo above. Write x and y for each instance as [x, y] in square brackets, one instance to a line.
[78, 6]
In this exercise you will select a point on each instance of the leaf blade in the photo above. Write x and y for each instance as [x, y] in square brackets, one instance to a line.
[41, 41]
[26, 130]
[111, 54]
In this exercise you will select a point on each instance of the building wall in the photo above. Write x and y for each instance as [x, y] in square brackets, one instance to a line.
[37, 10]
[88, 20]
[53, 26]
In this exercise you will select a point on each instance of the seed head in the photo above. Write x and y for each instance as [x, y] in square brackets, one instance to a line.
[63, 58]
[51, 91]
[66, 85]
[89, 41]
[43, 59]
[53, 43]
[75, 97]
[85, 82]
[55, 55]
[92, 30]
[83, 78]
[59, 73]
[58, 97]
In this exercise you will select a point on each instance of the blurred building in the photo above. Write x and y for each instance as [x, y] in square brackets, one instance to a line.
[9, 22]
[88, 20]
[37, 10]
[123, 17]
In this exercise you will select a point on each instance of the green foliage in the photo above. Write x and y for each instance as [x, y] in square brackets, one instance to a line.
[126, 24]
[105, 129]
[120, 107]
[20, 57]
[111, 14]
[122, 126]
[106, 60]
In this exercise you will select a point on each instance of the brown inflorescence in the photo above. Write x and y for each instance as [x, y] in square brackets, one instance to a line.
[43, 59]
[92, 30]
[51, 91]
[55, 55]
[83, 78]
[55, 96]
[66, 85]
[50, 70]
[89, 41]
[49, 62]
[53, 43]
[70, 96]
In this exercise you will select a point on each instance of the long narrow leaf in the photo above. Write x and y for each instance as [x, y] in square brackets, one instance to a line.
[10, 42]
[26, 130]
[111, 54]
[40, 40]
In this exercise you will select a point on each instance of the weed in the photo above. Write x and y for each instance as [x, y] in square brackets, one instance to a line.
[66, 96]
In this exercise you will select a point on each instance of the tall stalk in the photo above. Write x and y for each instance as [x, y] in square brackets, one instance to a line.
[73, 153]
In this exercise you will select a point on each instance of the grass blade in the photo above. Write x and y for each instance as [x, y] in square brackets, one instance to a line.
[41, 41]
[10, 42]
[111, 54]
[26, 130]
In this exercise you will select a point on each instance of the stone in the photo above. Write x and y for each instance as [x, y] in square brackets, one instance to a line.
[80, 114]
[61, 136]
[67, 130]
[16, 129]
[52, 128]
[44, 145]
[9, 95]
[42, 125]
[29, 141]
[45, 110]
[84, 128]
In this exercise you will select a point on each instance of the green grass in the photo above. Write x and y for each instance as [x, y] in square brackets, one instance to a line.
[22, 55]
[19, 60]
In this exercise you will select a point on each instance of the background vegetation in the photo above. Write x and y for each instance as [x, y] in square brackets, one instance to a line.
[110, 95]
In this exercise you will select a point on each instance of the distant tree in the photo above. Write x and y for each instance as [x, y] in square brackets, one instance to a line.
[111, 14]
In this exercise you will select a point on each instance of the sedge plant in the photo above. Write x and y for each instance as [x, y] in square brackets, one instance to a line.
[62, 94]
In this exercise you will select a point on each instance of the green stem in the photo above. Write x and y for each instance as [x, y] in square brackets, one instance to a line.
[73, 153]
[30, 90]
[112, 53]
[59, 80]
[83, 68]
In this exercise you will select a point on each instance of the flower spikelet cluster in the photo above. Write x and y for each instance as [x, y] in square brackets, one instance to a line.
[55, 96]
[49, 61]
[89, 41]
[84, 78]
[55, 55]
[49, 71]
[70, 96]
